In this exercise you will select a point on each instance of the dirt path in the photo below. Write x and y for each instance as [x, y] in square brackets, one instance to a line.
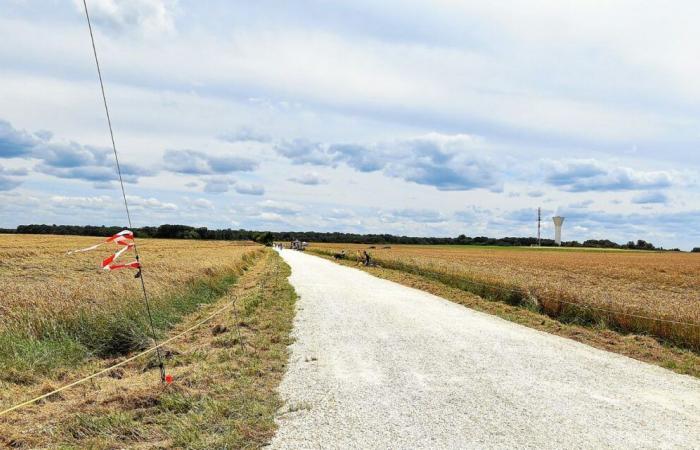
[380, 365]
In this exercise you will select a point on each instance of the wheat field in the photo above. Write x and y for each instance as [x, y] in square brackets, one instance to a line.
[40, 282]
[628, 290]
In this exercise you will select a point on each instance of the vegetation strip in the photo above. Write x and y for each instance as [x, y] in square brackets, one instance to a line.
[596, 334]
[223, 395]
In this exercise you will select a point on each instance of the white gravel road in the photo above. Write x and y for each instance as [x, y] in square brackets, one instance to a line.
[379, 365]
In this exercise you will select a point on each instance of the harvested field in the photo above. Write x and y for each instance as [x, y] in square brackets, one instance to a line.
[643, 292]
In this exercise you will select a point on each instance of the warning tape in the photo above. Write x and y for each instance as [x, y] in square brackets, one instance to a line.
[120, 364]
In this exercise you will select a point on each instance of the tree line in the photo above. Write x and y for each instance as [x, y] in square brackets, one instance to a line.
[171, 231]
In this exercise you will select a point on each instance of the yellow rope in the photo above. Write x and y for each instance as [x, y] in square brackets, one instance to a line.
[122, 363]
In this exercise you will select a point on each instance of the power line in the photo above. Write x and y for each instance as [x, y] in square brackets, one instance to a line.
[126, 204]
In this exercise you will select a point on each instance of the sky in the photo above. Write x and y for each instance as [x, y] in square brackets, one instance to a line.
[411, 117]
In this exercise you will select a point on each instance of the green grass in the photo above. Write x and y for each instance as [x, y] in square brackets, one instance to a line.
[224, 395]
[114, 332]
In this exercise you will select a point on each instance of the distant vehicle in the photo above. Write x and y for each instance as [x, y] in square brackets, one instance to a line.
[299, 245]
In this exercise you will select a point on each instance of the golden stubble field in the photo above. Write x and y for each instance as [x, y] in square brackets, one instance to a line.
[40, 283]
[628, 283]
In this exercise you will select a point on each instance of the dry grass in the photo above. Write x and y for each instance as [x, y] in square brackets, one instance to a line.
[656, 285]
[223, 394]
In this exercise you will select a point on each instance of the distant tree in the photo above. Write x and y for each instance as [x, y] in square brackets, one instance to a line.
[644, 245]
[696, 250]
[265, 238]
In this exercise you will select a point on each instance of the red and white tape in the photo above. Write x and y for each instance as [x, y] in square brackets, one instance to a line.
[126, 240]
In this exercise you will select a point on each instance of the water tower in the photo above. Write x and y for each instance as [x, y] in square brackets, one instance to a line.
[558, 222]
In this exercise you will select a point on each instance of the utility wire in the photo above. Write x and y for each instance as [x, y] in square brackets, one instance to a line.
[126, 204]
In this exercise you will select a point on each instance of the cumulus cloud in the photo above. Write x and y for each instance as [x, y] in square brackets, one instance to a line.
[302, 151]
[66, 160]
[7, 180]
[202, 203]
[249, 189]
[110, 203]
[85, 202]
[647, 198]
[279, 207]
[150, 17]
[193, 162]
[218, 185]
[245, 134]
[581, 205]
[136, 202]
[446, 162]
[16, 143]
[84, 162]
[414, 215]
[7, 184]
[583, 175]
[309, 179]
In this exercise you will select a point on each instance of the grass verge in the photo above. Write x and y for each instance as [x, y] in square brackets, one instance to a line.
[570, 323]
[224, 390]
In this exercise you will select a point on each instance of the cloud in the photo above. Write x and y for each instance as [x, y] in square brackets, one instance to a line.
[105, 202]
[647, 198]
[339, 214]
[581, 205]
[192, 162]
[84, 162]
[7, 184]
[22, 172]
[584, 175]
[446, 162]
[271, 217]
[218, 185]
[309, 179]
[136, 202]
[245, 134]
[279, 207]
[202, 203]
[249, 189]
[85, 202]
[302, 151]
[66, 160]
[415, 215]
[16, 143]
[150, 17]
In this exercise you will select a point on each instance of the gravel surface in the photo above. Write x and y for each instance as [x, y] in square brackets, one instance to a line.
[380, 365]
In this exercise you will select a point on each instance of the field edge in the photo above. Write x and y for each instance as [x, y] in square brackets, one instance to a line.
[225, 390]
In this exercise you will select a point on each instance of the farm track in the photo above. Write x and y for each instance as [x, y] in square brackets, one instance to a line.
[379, 365]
